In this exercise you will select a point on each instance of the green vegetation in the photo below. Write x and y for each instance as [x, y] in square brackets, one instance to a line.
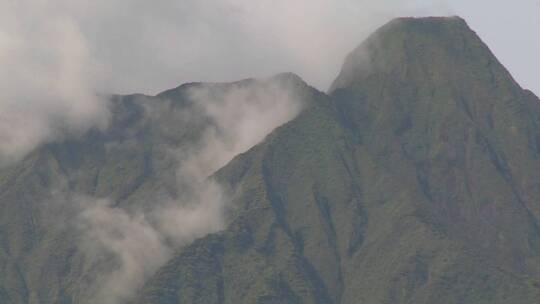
[415, 179]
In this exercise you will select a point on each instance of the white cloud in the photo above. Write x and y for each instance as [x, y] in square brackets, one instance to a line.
[139, 242]
[56, 55]
[136, 247]
[48, 79]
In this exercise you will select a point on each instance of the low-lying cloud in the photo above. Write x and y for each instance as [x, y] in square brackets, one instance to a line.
[241, 116]
[138, 242]
[128, 241]
[48, 79]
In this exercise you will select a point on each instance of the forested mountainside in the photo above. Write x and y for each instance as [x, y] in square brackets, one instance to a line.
[414, 179]
[133, 166]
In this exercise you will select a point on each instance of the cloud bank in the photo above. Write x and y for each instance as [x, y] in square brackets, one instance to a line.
[138, 242]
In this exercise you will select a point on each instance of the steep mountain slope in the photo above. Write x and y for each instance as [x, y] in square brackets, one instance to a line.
[415, 180]
[133, 164]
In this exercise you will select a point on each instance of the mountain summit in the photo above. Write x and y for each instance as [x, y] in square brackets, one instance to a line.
[415, 179]
[433, 47]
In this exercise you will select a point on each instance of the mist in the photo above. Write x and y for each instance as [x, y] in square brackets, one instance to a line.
[136, 242]
[58, 56]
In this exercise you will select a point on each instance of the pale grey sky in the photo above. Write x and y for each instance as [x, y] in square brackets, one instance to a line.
[151, 46]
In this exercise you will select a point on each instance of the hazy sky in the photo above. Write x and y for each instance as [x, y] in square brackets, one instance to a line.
[512, 30]
[56, 54]
[154, 45]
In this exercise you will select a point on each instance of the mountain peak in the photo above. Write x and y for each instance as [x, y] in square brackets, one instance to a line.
[431, 20]
[286, 78]
[427, 47]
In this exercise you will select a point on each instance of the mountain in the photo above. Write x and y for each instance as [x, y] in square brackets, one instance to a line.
[414, 179]
[133, 164]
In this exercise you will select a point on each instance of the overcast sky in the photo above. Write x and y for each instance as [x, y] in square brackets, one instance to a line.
[148, 46]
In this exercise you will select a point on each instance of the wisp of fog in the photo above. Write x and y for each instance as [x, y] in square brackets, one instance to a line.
[137, 243]
[60, 57]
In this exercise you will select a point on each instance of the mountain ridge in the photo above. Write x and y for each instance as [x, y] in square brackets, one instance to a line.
[363, 200]
[132, 164]
[414, 179]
